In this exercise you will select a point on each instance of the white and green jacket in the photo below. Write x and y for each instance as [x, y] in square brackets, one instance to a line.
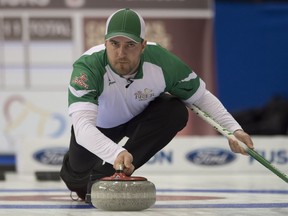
[114, 99]
[94, 83]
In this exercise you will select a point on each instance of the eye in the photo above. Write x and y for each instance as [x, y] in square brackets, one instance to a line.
[131, 45]
[114, 43]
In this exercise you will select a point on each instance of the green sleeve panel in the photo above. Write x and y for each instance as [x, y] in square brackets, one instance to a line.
[86, 82]
[180, 80]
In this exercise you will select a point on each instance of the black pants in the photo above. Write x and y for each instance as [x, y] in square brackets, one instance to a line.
[148, 133]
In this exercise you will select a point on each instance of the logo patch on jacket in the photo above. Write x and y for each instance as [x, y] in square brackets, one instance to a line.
[145, 95]
[81, 80]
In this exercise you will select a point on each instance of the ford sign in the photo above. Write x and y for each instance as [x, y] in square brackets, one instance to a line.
[50, 156]
[211, 156]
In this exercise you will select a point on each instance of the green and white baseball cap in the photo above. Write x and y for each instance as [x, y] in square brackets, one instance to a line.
[126, 23]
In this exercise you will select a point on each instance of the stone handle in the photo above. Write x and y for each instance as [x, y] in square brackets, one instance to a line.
[120, 167]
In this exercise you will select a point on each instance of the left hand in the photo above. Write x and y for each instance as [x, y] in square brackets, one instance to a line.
[243, 137]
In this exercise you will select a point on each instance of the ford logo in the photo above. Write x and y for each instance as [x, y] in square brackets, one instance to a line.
[50, 156]
[211, 157]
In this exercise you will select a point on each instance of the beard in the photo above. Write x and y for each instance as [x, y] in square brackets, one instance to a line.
[124, 67]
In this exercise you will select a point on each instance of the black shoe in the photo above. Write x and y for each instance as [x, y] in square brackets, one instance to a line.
[75, 182]
[93, 178]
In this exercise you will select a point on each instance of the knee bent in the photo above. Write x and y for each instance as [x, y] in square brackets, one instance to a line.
[178, 112]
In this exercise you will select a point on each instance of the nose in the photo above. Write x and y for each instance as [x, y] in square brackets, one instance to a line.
[121, 51]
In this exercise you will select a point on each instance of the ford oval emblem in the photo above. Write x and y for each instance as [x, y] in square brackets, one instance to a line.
[50, 156]
[211, 156]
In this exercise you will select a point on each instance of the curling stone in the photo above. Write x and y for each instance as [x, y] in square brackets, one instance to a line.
[123, 193]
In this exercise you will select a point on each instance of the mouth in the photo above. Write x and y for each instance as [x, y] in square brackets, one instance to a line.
[123, 61]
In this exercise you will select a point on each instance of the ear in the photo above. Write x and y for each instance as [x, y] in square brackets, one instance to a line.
[144, 43]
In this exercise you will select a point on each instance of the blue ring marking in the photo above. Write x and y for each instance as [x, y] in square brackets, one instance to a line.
[161, 190]
[225, 191]
[235, 205]
[46, 206]
[32, 190]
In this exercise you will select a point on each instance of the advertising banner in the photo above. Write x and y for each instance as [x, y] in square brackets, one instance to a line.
[183, 155]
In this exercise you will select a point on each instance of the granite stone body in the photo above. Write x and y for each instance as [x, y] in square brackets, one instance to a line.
[123, 194]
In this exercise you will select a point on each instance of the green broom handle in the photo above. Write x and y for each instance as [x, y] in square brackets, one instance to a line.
[206, 117]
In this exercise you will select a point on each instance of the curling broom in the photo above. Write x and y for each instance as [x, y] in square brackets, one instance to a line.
[250, 151]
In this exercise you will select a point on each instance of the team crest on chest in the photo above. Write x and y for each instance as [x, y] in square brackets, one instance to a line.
[144, 95]
[81, 80]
